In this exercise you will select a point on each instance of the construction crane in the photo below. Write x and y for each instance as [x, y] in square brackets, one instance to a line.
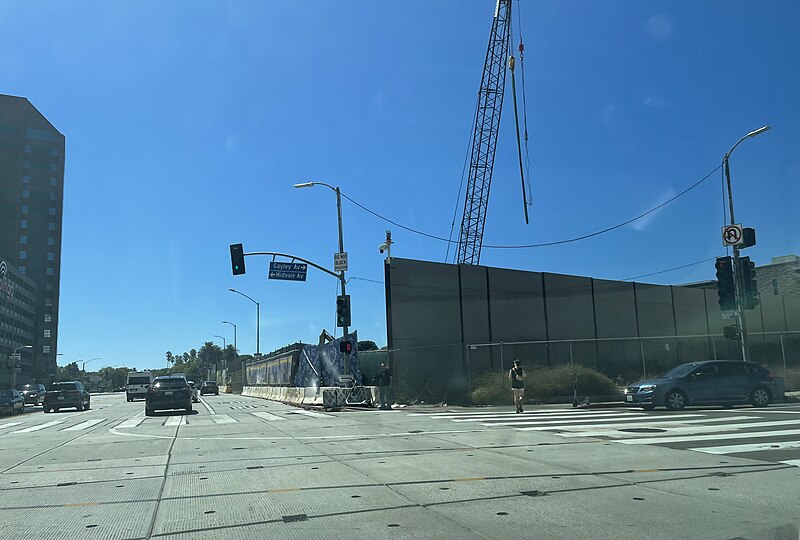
[484, 138]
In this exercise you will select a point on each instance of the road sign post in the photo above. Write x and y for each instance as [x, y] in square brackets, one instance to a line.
[340, 262]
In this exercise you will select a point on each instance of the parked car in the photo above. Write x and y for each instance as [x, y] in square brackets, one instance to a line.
[168, 392]
[11, 401]
[715, 382]
[33, 393]
[65, 395]
[195, 392]
[209, 387]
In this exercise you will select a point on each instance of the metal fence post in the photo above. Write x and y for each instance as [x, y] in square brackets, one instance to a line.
[783, 355]
[644, 364]
[570, 353]
[714, 346]
[501, 358]
[469, 372]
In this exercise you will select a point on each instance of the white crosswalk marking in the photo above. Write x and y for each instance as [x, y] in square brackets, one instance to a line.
[223, 419]
[795, 462]
[40, 426]
[715, 437]
[10, 425]
[173, 421]
[692, 429]
[740, 448]
[268, 416]
[312, 414]
[131, 422]
[555, 424]
[535, 418]
[85, 425]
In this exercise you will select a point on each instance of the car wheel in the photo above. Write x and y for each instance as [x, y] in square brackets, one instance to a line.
[148, 412]
[188, 409]
[760, 397]
[45, 409]
[675, 400]
[648, 407]
[55, 409]
[79, 408]
[88, 405]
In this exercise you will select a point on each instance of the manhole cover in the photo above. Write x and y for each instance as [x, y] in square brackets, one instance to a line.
[643, 430]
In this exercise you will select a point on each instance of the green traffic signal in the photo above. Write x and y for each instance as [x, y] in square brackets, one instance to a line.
[237, 259]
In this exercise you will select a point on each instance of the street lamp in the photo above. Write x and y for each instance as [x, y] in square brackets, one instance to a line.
[234, 334]
[737, 275]
[224, 343]
[258, 320]
[341, 244]
[83, 367]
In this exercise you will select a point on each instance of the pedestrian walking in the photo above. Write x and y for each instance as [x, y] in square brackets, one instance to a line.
[383, 380]
[517, 377]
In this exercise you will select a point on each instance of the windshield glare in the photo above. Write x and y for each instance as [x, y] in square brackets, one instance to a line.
[679, 371]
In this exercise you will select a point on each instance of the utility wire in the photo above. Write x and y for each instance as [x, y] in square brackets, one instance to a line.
[543, 244]
[670, 269]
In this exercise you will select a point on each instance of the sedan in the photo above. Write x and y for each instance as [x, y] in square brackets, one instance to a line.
[11, 401]
[209, 387]
[717, 382]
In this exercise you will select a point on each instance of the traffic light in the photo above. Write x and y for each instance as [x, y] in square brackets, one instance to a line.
[343, 310]
[237, 259]
[726, 289]
[346, 346]
[749, 284]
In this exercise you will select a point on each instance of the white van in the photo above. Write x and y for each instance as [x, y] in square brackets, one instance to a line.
[138, 382]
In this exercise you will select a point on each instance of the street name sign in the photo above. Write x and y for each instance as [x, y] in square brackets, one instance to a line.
[288, 271]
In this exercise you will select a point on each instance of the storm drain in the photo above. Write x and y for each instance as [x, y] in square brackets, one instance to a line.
[534, 493]
[296, 517]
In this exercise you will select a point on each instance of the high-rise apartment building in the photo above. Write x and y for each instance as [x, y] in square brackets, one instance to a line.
[31, 201]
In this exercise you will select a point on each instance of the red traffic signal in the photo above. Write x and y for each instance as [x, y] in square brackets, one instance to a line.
[346, 346]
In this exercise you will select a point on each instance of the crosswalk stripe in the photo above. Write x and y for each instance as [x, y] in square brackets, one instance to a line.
[795, 462]
[312, 414]
[10, 425]
[223, 419]
[714, 437]
[576, 412]
[740, 448]
[526, 418]
[697, 429]
[40, 426]
[173, 421]
[131, 422]
[603, 429]
[85, 425]
[553, 424]
[268, 416]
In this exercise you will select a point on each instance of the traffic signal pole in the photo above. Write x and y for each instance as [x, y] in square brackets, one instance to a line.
[341, 274]
[737, 274]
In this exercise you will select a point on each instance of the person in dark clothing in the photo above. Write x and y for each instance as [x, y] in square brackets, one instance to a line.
[383, 380]
[517, 377]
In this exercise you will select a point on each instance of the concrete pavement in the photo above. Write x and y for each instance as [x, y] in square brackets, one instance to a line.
[248, 468]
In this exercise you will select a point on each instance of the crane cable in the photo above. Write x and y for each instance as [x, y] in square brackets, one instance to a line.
[524, 105]
[511, 63]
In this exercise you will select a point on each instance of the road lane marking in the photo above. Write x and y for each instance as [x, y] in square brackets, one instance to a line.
[131, 422]
[312, 414]
[40, 426]
[223, 419]
[572, 412]
[576, 423]
[740, 448]
[85, 425]
[795, 462]
[520, 418]
[208, 407]
[269, 417]
[10, 425]
[173, 421]
[715, 437]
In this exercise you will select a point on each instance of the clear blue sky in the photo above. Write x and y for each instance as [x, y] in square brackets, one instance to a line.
[188, 122]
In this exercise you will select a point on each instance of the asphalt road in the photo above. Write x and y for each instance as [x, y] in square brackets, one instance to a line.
[246, 468]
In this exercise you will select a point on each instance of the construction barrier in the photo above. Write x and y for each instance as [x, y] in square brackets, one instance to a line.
[331, 397]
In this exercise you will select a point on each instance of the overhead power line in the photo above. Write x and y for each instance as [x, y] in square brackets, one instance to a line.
[542, 244]
[670, 269]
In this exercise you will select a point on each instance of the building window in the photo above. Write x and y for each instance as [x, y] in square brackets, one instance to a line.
[51, 211]
[52, 196]
[49, 286]
[49, 271]
[47, 333]
[26, 179]
[26, 164]
[48, 318]
[22, 269]
[50, 226]
[45, 349]
[774, 286]
[52, 166]
[27, 149]
[54, 152]
[51, 241]
[23, 224]
[53, 182]
[23, 239]
[23, 254]
[51, 256]
[24, 208]
[26, 194]
[48, 301]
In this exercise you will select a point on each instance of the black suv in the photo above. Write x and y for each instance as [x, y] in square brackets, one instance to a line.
[209, 387]
[168, 392]
[64, 395]
[33, 394]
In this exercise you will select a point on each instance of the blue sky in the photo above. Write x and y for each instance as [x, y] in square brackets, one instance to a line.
[187, 123]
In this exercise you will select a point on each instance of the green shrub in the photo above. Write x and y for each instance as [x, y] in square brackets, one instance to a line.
[541, 385]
